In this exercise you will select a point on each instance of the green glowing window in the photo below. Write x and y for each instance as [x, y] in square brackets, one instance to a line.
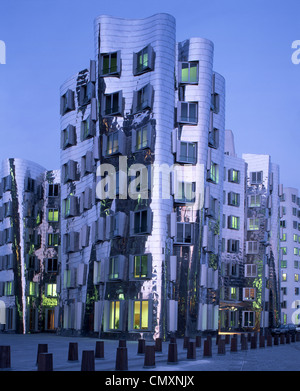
[53, 215]
[143, 61]
[254, 201]
[110, 63]
[295, 251]
[213, 173]
[140, 266]
[53, 240]
[32, 288]
[141, 315]
[295, 238]
[51, 290]
[189, 72]
[283, 264]
[114, 315]
[233, 176]
[233, 222]
[284, 250]
[284, 237]
[233, 293]
[253, 224]
[8, 288]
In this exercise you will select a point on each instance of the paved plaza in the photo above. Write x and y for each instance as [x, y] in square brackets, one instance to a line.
[282, 357]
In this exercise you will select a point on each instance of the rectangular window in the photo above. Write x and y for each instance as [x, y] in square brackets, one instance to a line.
[52, 265]
[249, 293]
[256, 178]
[295, 238]
[187, 112]
[114, 315]
[215, 103]
[112, 143]
[248, 318]
[233, 246]
[114, 268]
[253, 224]
[284, 237]
[233, 222]
[53, 190]
[284, 250]
[185, 192]
[51, 290]
[233, 199]
[254, 201]
[283, 264]
[32, 288]
[295, 251]
[67, 102]
[53, 215]
[213, 138]
[140, 266]
[141, 315]
[143, 61]
[140, 222]
[88, 129]
[252, 247]
[188, 152]
[250, 270]
[233, 176]
[110, 64]
[184, 233]
[112, 104]
[296, 277]
[233, 293]
[53, 240]
[284, 277]
[8, 288]
[213, 173]
[141, 137]
[188, 72]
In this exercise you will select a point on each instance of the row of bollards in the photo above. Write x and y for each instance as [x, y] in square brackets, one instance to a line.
[44, 360]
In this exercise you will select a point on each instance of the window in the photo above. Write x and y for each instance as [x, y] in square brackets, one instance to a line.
[53, 215]
[233, 222]
[284, 277]
[294, 211]
[185, 192]
[213, 173]
[116, 268]
[233, 176]
[283, 264]
[295, 238]
[110, 64]
[254, 201]
[250, 270]
[51, 290]
[213, 138]
[142, 138]
[233, 246]
[114, 315]
[184, 233]
[52, 265]
[114, 143]
[249, 293]
[88, 128]
[141, 315]
[256, 177]
[70, 206]
[248, 318]
[296, 264]
[215, 103]
[233, 293]
[112, 104]
[53, 240]
[68, 137]
[69, 171]
[142, 98]
[187, 152]
[283, 223]
[253, 224]
[53, 190]
[295, 251]
[296, 277]
[143, 61]
[187, 112]
[140, 266]
[140, 222]
[284, 237]
[284, 250]
[233, 199]
[8, 288]
[67, 102]
[188, 72]
[86, 93]
[32, 290]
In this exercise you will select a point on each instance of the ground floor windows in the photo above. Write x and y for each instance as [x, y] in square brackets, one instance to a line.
[248, 319]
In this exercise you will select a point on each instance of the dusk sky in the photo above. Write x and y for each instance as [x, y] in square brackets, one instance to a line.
[50, 40]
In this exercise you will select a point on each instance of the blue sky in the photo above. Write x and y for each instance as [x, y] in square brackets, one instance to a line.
[47, 41]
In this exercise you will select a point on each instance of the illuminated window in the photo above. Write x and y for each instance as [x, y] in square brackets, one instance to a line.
[189, 72]
[284, 277]
[283, 264]
[249, 293]
[141, 266]
[141, 315]
[284, 250]
[53, 215]
[233, 176]
[8, 288]
[233, 222]
[51, 290]
[254, 201]
[112, 143]
[295, 238]
[296, 277]
[53, 240]
[233, 293]
[32, 291]
[295, 251]
[284, 237]
[142, 137]
[114, 268]
[114, 315]
[253, 224]
[143, 61]
[213, 173]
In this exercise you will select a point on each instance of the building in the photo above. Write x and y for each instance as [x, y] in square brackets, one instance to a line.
[25, 225]
[142, 256]
[289, 249]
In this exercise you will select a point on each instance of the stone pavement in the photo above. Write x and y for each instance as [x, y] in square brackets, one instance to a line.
[284, 357]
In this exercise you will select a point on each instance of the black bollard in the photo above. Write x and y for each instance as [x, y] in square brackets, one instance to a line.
[282, 339]
[221, 346]
[73, 351]
[261, 341]
[276, 340]
[172, 354]
[244, 342]
[191, 350]
[122, 343]
[45, 362]
[185, 342]
[253, 342]
[233, 346]
[99, 350]
[227, 339]
[141, 346]
[269, 340]
[207, 352]
[198, 341]
[88, 360]
[42, 348]
[149, 361]
[5, 357]
[158, 345]
[121, 359]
